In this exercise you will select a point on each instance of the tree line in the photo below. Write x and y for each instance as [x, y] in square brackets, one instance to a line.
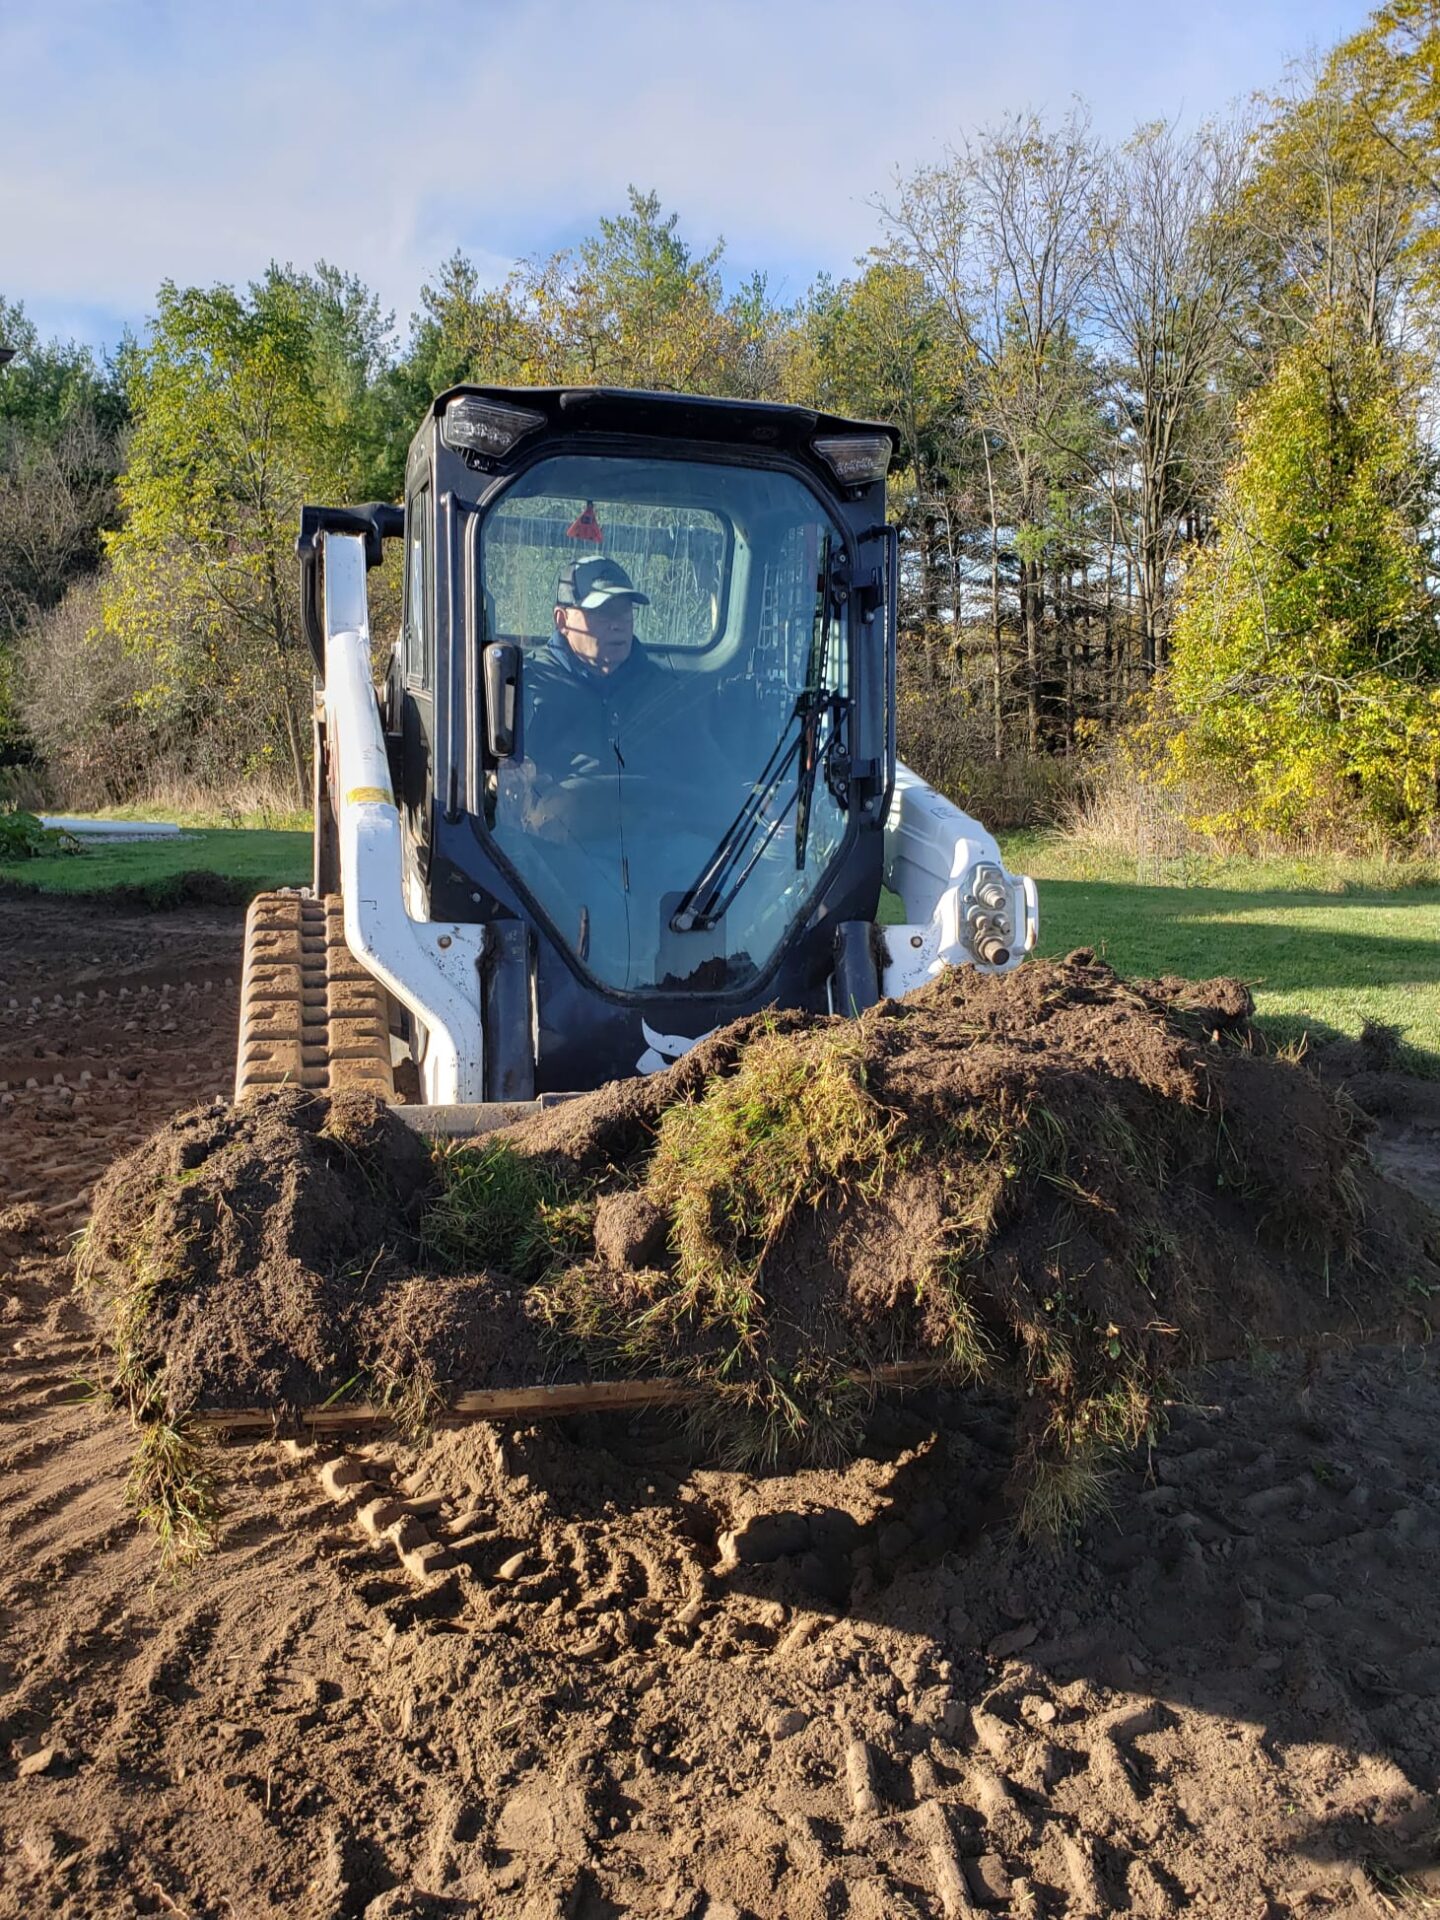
[1167, 468]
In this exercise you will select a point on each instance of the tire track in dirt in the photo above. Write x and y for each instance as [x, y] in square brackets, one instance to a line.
[109, 1023]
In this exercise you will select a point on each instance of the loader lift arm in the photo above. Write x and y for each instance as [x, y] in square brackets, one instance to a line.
[375, 523]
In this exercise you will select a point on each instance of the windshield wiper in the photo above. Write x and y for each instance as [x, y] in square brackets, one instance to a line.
[708, 899]
[811, 756]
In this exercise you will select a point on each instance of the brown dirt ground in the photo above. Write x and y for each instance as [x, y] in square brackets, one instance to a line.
[643, 1686]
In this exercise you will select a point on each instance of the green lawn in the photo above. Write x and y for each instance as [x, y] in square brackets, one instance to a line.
[1323, 945]
[251, 860]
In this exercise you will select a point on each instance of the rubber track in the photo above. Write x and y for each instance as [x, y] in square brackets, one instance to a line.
[310, 1015]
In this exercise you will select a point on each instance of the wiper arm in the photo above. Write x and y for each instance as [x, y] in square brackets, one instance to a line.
[705, 903]
[707, 899]
[810, 758]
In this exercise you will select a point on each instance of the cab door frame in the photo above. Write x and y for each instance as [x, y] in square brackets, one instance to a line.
[417, 676]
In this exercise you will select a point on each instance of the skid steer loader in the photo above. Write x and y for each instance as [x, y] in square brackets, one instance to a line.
[539, 868]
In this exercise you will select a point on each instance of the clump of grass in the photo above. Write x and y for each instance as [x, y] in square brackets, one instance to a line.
[1101, 1399]
[585, 1309]
[171, 1487]
[411, 1395]
[1397, 1893]
[1063, 1491]
[130, 1299]
[496, 1209]
[1381, 1044]
[995, 1155]
[967, 1350]
[794, 1125]
[814, 1412]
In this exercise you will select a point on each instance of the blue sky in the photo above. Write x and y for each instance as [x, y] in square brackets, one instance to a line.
[144, 139]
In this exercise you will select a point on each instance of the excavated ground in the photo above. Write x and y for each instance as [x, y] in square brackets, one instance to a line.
[646, 1686]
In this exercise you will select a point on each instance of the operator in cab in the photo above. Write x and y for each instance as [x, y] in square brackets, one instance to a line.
[614, 748]
[599, 713]
[595, 602]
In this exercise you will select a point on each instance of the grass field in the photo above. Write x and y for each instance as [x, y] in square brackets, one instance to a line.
[249, 859]
[1324, 945]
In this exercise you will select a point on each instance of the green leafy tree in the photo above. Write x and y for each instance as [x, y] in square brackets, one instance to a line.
[631, 306]
[245, 405]
[1306, 663]
[883, 346]
[464, 331]
[634, 306]
[60, 419]
[48, 386]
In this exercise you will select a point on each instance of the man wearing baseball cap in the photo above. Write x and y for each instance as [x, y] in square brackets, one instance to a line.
[616, 746]
[598, 709]
[595, 602]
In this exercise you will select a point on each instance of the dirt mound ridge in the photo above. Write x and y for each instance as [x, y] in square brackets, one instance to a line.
[1056, 1180]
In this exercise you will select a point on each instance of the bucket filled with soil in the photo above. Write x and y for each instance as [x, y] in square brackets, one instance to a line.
[1056, 1181]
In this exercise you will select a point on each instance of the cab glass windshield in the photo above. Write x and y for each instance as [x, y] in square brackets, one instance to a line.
[676, 796]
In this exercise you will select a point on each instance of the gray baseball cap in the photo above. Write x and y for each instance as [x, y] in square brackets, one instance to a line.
[588, 584]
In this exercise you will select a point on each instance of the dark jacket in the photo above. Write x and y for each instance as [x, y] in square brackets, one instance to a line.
[603, 753]
[579, 723]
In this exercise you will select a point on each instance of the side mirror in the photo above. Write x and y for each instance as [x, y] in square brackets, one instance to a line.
[500, 664]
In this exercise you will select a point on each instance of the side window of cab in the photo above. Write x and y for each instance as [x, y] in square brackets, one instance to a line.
[419, 651]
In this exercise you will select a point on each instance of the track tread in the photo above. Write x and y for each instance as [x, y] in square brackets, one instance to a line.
[310, 1015]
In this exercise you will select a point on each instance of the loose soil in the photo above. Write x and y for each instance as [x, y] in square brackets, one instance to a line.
[1060, 1180]
[631, 1683]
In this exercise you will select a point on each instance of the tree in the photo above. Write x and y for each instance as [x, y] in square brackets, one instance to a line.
[245, 405]
[60, 421]
[359, 427]
[1005, 233]
[1390, 73]
[1306, 670]
[57, 491]
[46, 387]
[1166, 282]
[883, 346]
[465, 332]
[633, 306]
[1332, 217]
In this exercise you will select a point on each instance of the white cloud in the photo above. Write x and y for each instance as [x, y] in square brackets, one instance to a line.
[140, 142]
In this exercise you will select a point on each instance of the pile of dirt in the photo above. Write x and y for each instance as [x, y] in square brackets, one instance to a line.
[266, 1255]
[1055, 1180]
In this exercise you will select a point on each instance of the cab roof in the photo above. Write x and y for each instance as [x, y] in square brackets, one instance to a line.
[680, 416]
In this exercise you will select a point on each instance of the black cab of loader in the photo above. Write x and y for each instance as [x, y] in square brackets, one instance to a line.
[640, 714]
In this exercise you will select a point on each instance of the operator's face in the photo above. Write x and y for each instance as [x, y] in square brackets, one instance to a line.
[601, 638]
